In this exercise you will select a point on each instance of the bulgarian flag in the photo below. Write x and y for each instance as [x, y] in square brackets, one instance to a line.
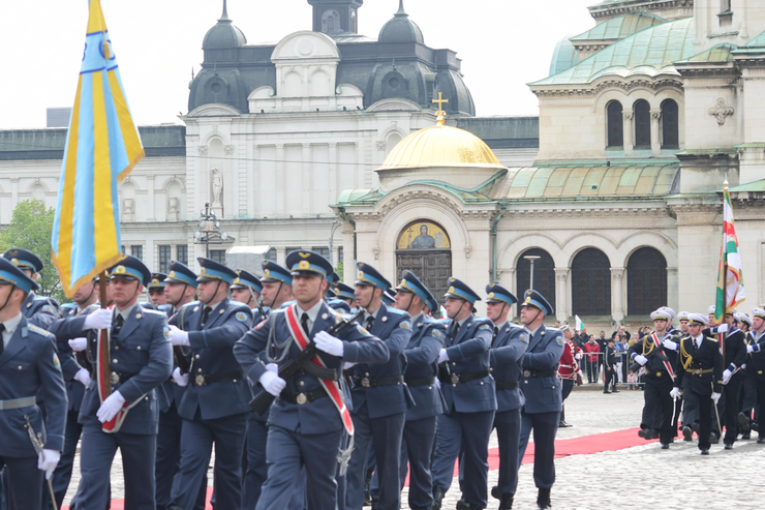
[579, 324]
[730, 281]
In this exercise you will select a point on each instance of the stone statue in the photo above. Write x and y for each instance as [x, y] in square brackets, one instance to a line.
[217, 187]
[172, 209]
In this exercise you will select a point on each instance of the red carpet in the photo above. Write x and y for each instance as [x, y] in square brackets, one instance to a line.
[585, 445]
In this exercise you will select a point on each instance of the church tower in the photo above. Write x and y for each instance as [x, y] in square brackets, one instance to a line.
[336, 17]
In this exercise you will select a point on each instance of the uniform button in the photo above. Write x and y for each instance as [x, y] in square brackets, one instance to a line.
[115, 361]
[147, 398]
[197, 356]
[199, 369]
[526, 382]
[454, 385]
[430, 387]
[553, 387]
[367, 374]
[234, 380]
[302, 383]
[138, 348]
[454, 363]
[20, 367]
[481, 383]
[116, 347]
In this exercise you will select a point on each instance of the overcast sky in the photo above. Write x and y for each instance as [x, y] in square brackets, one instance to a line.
[503, 44]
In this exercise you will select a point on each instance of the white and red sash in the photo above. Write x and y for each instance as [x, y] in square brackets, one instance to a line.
[667, 364]
[331, 387]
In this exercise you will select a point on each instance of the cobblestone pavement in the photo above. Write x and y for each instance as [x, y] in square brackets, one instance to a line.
[643, 477]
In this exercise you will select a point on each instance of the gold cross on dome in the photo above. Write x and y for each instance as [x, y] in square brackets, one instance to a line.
[441, 113]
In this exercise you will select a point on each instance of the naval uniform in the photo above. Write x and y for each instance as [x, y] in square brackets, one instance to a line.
[29, 366]
[380, 401]
[755, 371]
[213, 405]
[733, 356]
[470, 395]
[305, 427]
[140, 361]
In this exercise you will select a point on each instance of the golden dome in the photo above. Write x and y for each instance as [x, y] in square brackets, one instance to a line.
[441, 146]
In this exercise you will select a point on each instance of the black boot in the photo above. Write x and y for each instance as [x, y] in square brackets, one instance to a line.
[438, 497]
[743, 422]
[687, 433]
[367, 495]
[506, 502]
[464, 505]
[543, 499]
[495, 493]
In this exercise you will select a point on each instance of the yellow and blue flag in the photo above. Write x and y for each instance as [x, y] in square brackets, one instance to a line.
[102, 147]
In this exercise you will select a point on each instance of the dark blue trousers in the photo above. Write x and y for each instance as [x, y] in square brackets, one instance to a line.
[257, 469]
[168, 454]
[63, 473]
[416, 448]
[384, 436]
[288, 453]
[545, 427]
[96, 457]
[197, 439]
[508, 425]
[23, 482]
[464, 435]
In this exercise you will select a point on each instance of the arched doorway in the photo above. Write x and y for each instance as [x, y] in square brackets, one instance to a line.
[591, 283]
[544, 274]
[646, 281]
[424, 248]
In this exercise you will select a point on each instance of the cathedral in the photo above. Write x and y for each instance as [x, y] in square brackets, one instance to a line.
[369, 149]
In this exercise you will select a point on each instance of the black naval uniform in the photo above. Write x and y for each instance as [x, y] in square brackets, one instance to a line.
[733, 356]
[657, 411]
[755, 369]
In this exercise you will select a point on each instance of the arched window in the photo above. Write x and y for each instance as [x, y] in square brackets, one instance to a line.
[544, 274]
[642, 124]
[670, 122]
[330, 21]
[591, 283]
[615, 125]
[646, 281]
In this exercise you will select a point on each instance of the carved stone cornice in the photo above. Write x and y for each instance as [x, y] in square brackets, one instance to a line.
[569, 212]
[625, 84]
[622, 8]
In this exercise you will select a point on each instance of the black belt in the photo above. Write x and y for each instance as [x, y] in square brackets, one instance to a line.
[543, 373]
[366, 382]
[507, 385]
[203, 380]
[303, 398]
[463, 378]
[420, 382]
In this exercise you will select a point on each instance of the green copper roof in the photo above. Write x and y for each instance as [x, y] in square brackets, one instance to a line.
[715, 55]
[564, 56]
[619, 27]
[757, 42]
[648, 52]
[750, 186]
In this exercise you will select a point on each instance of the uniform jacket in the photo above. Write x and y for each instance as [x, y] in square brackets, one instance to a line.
[40, 311]
[169, 393]
[142, 352]
[422, 363]
[705, 357]
[655, 368]
[507, 352]
[569, 367]
[212, 355]
[755, 361]
[29, 366]
[321, 415]
[469, 354]
[735, 349]
[394, 328]
[610, 357]
[543, 394]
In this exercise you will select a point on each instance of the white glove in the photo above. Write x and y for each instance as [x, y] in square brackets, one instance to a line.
[726, 376]
[669, 344]
[580, 374]
[753, 348]
[674, 393]
[82, 376]
[716, 397]
[329, 344]
[443, 356]
[181, 379]
[110, 407]
[348, 364]
[178, 336]
[47, 460]
[640, 359]
[78, 344]
[272, 383]
[273, 367]
[99, 319]
[578, 356]
[722, 328]
[438, 383]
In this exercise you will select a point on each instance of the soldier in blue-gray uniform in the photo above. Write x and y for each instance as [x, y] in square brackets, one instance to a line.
[420, 376]
[543, 391]
[180, 286]
[307, 420]
[346, 293]
[157, 299]
[140, 360]
[214, 402]
[28, 366]
[39, 311]
[246, 289]
[468, 389]
[508, 346]
[380, 396]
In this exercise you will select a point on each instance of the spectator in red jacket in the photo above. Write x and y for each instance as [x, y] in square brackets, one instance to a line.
[591, 349]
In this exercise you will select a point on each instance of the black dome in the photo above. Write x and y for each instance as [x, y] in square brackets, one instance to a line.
[401, 29]
[224, 34]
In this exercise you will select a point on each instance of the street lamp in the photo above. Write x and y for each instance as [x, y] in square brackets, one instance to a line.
[209, 230]
[532, 259]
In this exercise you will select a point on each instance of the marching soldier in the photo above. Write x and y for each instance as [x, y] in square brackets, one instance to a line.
[682, 318]
[345, 293]
[156, 289]
[139, 361]
[655, 353]
[568, 371]
[307, 419]
[542, 390]
[214, 402]
[40, 311]
[749, 385]
[755, 371]
[509, 343]
[700, 361]
[28, 366]
[246, 289]
[380, 397]
[421, 354]
[469, 391]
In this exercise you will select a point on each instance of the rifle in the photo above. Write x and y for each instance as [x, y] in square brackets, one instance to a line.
[263, 400]
[180, 357]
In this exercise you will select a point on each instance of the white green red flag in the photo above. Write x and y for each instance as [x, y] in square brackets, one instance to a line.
[579, 324]
[730, 281]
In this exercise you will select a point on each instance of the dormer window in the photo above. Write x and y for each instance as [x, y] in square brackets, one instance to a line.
[330, 21]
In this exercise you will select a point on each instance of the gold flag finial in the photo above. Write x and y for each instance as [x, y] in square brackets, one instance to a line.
[441, 113]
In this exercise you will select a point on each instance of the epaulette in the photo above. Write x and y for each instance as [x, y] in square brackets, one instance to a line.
[147, 311]
[40, 331]
[711, 339]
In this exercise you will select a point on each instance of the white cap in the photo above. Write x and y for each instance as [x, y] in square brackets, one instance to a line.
[682, 316]
[697, 319]
[661, 314]
[758, 312]
[742, 317]
[711, 310]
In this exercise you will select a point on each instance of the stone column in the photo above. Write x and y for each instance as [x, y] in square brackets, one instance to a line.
[281, 255]
[14, 193]
[655, 132]
[307, 179]
[281, 186]
[334, 193]
[618, 307]
[349, 264]
[152, 214]
[562, 313]
[629, 124]
[673, 300]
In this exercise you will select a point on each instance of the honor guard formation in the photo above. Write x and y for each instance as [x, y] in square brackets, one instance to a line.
[317, 395]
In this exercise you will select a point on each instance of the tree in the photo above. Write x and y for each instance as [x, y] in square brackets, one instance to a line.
[339, 270]
[31, 228]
